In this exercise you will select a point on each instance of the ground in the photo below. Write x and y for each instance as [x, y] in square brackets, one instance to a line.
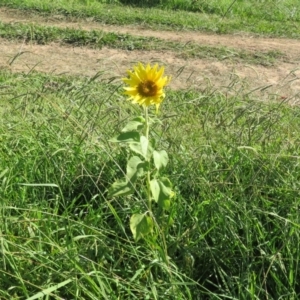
[280, 79]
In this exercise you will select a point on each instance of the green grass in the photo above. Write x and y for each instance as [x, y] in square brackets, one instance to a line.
[98, 39]
[273, 18]
[234, 164]
[286, 10]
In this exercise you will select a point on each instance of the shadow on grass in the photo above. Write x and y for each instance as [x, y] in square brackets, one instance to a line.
[143, 3]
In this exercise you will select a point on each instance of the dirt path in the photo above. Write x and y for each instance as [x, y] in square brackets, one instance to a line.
[283, 79]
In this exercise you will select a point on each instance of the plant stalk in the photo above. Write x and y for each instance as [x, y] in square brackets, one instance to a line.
[148, 160]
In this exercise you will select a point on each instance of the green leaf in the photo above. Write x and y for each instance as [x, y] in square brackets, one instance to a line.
[162, 192]
[136, 147]
[155, 189]
[49, 290]
[135, 124]
[126, 137]
[140, 225]
[40, 184]
[144, 145]
[135, 168]
[120, 188]
[131, 167]
[160, 158]
[4, 172]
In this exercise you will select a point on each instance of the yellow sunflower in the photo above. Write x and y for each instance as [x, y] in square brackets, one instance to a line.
[146, 85]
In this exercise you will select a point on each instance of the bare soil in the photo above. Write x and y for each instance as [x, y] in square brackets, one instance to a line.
[281, 80]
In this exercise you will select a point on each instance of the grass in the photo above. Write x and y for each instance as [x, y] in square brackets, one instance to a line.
[268, 18]
[234, 163]
[97, 39]
[235, 166]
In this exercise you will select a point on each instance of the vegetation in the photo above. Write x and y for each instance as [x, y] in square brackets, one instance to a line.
[233, 163]
[98, 39]
[236, 225]
[260, 17]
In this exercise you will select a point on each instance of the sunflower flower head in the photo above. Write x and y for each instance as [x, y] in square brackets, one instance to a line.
[145, 85]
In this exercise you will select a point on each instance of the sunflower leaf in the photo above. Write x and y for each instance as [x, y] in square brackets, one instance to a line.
[136, 147]
[140, 225]
[143, 147]
[135, 124]
[120, 188]
[162, 192]
[135, 168]
[160, 159]
[126, 137]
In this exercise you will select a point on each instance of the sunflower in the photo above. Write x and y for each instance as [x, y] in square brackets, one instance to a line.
[146, 85]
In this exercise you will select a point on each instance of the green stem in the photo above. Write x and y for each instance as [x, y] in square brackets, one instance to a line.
[148, 160]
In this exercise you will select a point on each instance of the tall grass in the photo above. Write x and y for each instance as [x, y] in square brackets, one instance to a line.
[233, 161]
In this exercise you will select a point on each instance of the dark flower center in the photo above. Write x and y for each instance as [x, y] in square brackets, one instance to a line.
[147, 88]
